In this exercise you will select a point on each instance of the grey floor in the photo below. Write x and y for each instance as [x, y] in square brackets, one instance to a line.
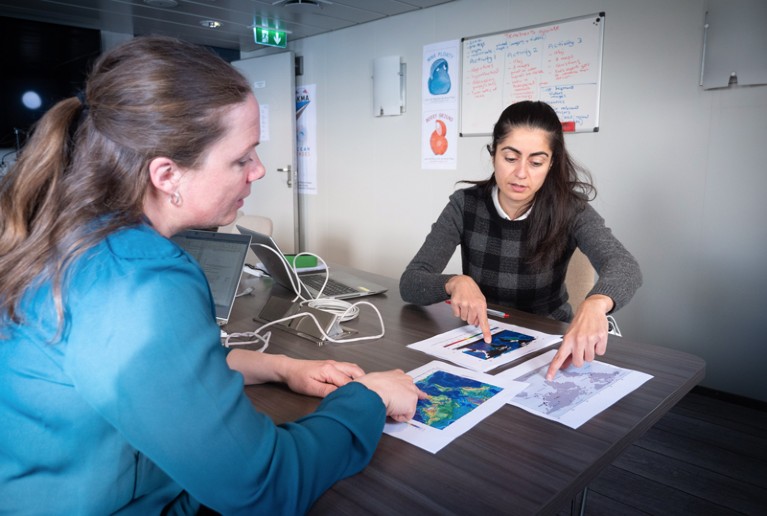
[707, 456]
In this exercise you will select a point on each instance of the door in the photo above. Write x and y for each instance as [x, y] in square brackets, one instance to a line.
[276, 194]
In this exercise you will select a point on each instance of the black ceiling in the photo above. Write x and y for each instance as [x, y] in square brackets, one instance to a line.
[182, 18]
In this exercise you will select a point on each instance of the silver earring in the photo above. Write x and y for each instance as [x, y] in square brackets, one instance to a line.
[175, 199]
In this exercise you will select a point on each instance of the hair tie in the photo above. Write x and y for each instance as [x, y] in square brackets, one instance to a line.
[78, 121]
[81, 97]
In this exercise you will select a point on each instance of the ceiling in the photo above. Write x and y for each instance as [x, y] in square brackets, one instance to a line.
[182, 18]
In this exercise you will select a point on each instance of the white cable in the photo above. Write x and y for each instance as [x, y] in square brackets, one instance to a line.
[295, 280]
[226, 338]
[293, 277]
[344, 310]
[354, 307]
[326, 270]
[265, 338]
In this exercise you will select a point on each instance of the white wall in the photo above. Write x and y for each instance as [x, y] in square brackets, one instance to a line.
[678, 169]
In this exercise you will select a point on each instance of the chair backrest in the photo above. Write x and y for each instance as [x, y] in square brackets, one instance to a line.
[579, 279]
[256, 223]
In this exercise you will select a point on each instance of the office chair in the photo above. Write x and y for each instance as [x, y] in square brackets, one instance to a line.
[579, 280]
[257, 223]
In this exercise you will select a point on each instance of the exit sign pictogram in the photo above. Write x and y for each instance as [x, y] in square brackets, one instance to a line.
[270, 37]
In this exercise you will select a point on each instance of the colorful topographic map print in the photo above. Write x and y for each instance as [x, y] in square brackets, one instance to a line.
[450, 397]
[502, 342]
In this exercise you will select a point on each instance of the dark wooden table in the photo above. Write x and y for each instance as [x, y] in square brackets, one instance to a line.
[510, 463]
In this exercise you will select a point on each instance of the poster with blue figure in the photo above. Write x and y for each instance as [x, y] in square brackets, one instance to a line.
[439, 78]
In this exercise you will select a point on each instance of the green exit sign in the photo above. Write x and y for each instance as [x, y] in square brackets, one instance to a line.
[271, 37]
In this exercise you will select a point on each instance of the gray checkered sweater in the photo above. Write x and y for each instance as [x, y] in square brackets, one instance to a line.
[492, 252]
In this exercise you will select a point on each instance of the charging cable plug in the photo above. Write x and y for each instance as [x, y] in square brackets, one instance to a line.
[252, 270]
[248, 285]
[245, 292]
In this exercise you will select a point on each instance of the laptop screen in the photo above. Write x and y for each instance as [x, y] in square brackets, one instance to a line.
[272, 259]
[221, 257]
[347, 285]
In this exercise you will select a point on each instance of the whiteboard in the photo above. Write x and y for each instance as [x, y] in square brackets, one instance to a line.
[559, 63]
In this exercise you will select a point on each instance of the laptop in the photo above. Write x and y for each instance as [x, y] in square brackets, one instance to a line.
[341, 284]
[221, 257]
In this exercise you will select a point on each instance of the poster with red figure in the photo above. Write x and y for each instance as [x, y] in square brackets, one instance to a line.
[440, 94]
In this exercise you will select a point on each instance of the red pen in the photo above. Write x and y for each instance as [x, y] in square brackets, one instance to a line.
[490, 311]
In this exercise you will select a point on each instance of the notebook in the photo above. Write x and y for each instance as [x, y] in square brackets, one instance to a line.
[341, 285]
[221, 257]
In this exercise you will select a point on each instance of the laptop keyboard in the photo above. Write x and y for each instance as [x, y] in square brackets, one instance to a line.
[333, 288]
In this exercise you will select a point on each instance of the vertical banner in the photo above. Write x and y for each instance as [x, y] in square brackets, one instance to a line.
[265, 125]
[306, 138]
[439, 108]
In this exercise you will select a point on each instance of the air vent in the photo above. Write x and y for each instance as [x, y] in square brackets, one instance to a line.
[161, 3]
[297, 3]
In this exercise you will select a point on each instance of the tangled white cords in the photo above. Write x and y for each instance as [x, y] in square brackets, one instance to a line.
[342, 310]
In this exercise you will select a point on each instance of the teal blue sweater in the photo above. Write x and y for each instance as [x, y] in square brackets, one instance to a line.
[134, 410]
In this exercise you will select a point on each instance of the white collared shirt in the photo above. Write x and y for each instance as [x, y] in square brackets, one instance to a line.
[503, 213]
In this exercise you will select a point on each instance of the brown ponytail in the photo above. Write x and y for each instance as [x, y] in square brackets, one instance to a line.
[84, 172]
[29, 194]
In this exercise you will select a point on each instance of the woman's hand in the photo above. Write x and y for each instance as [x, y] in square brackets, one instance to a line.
[469, 303]
[586, 337]
[397, 391]
[319, 377]
[311, 377]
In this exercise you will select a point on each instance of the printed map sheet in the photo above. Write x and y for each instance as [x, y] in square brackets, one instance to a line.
[458, 400]
[465, 346]
[575, 395]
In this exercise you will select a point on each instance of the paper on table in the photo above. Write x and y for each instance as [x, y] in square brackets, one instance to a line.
[464, 346]
[458, 400]
[575, 395]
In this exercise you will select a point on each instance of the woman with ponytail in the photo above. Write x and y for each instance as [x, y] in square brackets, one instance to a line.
[115, 393]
